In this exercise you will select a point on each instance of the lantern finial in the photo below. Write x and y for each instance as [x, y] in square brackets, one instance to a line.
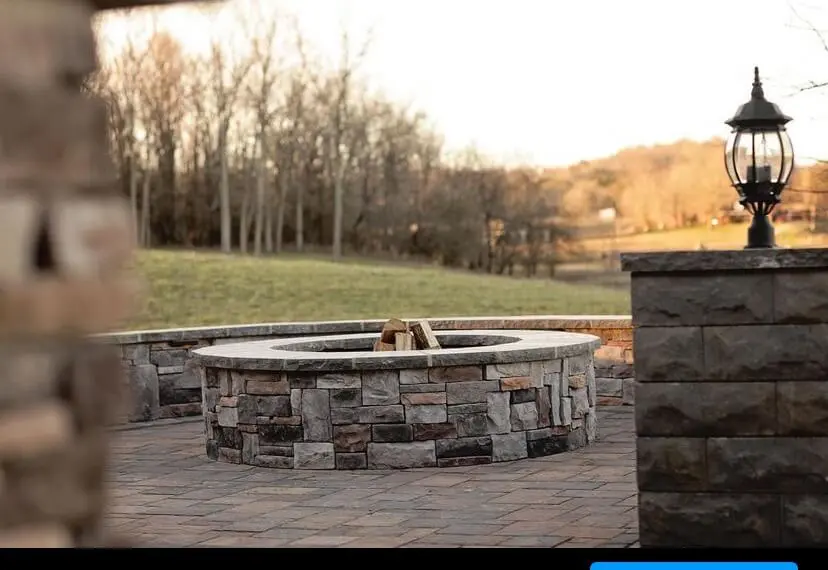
[757, 92]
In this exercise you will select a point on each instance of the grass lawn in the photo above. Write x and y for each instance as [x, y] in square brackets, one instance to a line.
[194, 289]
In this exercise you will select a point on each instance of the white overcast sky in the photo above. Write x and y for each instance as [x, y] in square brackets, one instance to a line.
[552, 82]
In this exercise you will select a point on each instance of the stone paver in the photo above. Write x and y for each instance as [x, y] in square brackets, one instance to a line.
[167, 493]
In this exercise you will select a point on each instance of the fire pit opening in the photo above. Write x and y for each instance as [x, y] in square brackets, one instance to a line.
[339, 402]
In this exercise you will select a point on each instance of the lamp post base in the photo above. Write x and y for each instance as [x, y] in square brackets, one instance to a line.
[761, 234]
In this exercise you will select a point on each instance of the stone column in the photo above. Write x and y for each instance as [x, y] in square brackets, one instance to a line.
[65, 238]
[731, 368]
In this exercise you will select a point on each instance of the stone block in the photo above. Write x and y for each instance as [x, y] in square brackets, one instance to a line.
[765, 352]
[575, 365]
[228, 417]
[566, 411]
[225, 384]
[144, 393]
[675, 520]
[346, 398]
[313, 456]
[628, 391]
[524, 416]
[470, 392]
[351, 438]
[212, 450]
[795, 465]
[424, 432]
[469, 425]
[664, 354]
[369, 415]
[544, 406]
[592, 393]
[351, 461]
[512, 370]
[422, 388]
[169, 357]
[464, 447]
[805, 521]
[381, 388]
[229, 455]
[509, 447]
[556, 443]
[414, 376]
[250, 447]
[211, 378]
[136, 353]
[464, 461]
[301, 380]
[609, 387]
[426, 414]
[277, 450]
[802, 408]
[445, 374]
[706, 299]
[671, 464]
[316, 415]
[401, 455]
[591, 425]
[800, 297]
[580, 403]
[296, 402]
[424, 398]
[275, 434]
[467, 408]
[264, 385]
[499, 412]
[339, 380]
[555, 398]
[252, 406]
[709, 409]
[577, 381]
[517, 383]
[274, 461]
[389, 433]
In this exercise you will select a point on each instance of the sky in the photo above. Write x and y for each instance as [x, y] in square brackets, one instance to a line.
[554, 82]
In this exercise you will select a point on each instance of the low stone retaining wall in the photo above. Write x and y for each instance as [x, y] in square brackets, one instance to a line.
[163, 383]
[331, 403]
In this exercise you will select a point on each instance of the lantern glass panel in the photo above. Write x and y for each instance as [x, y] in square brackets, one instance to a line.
[787, 149]
[743, 157]
[767, 148]
[729, 164]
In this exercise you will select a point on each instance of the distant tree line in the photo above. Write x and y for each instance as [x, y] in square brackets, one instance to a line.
[265, 149]
[257, 146]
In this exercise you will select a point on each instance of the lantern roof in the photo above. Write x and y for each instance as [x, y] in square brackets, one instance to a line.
[758, 112]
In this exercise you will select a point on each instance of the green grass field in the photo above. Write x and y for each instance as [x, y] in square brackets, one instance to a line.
[194, 289]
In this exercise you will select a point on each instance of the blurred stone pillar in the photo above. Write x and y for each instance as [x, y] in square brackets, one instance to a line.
[65, 238]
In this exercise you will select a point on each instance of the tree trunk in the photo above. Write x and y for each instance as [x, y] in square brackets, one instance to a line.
[300, 217]
[224, 194]
[284, 180]
[133, 192]
[260, 201]
[144, 234]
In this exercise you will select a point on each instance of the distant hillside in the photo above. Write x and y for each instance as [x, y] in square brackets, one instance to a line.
[657, 187]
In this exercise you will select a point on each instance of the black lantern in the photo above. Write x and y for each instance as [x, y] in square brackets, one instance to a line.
[759, 159]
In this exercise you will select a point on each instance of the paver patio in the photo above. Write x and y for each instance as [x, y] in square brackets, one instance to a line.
[167, 493]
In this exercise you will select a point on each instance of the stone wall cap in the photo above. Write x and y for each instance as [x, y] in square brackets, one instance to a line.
[288, 354]
[194, 334]
[724, 260]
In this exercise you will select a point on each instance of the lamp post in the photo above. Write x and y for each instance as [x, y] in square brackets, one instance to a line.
[759, 159]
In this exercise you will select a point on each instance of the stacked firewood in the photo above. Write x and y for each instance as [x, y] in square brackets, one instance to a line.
[399, 335]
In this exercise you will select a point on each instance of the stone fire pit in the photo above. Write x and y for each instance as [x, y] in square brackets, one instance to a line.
[330, 403]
